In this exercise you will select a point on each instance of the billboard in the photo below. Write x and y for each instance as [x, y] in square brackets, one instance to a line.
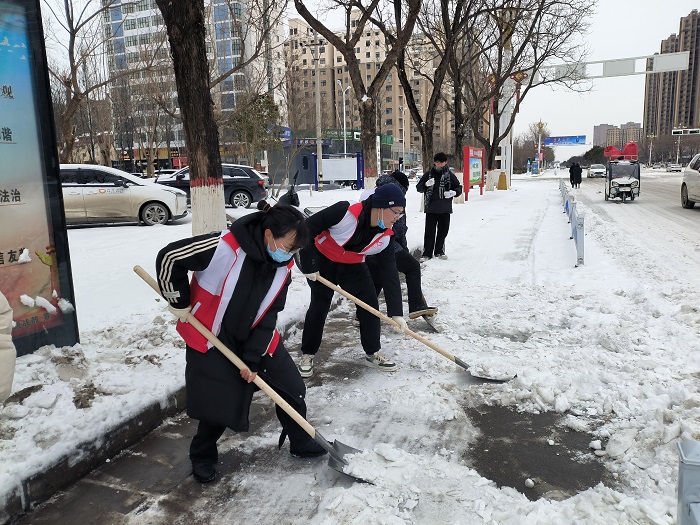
[569, 140]
[35, 274]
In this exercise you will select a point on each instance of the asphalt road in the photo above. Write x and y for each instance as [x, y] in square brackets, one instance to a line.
[657, 212]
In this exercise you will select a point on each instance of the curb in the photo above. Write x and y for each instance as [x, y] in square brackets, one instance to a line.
[43, 485]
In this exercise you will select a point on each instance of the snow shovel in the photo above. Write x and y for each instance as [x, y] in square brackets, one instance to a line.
[419, 337]
[336, 451]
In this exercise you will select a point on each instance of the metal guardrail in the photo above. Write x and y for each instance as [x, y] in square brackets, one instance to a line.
[575, 219]
[688, 482]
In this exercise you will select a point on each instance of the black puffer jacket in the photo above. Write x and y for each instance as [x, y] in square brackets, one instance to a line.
[435, 200]
[215, 391]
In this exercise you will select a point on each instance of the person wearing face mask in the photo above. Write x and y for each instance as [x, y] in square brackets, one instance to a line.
[344, 235]
[240, 281]
[406, 263]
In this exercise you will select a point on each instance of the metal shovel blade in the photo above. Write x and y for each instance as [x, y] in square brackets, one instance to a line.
[485, 378]
[336, 455]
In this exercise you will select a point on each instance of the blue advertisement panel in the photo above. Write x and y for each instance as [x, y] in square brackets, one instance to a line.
[569, 140]
[34, 263]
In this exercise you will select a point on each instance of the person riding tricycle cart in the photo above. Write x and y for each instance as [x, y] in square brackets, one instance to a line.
[623, 173]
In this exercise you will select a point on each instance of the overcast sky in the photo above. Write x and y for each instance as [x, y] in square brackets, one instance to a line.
[621, 29]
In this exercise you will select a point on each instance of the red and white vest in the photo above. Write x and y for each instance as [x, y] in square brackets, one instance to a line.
[330, 242]
[212, 288]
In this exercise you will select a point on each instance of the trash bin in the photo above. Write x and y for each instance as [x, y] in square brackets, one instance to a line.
[689, 483]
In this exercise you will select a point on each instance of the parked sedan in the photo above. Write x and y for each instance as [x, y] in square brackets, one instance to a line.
[674, 167]
[690, 186]
[596, 170]
[243, 185]
[100, 194]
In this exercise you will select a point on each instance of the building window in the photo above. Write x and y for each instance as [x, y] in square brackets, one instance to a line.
[389, 122]
[339, 59]
[388, 99]
[389, 111]
[144, 21]
[368, 54]
[368, 66]
[129, 24]
[388, 87]
[323, 83]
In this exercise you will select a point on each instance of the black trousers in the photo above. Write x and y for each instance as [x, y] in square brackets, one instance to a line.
[278, 371]
[355, 279]
[410, 267]
[435, 244]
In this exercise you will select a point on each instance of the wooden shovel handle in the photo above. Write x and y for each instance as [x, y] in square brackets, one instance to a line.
[296, 416]
[388, 319]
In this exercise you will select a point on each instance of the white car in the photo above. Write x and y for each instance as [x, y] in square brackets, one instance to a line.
[596, 170]
[690, 186]
[94, 193]
[674, 167]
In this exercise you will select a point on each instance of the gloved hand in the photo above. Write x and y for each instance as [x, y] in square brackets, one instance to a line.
[449, 194]
[429, 182]
[311, 276]
[180, 313]
[401, 322]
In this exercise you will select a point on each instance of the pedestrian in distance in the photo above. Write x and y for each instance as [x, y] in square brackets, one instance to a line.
[406, 263]
[439, 186]
[575, 175]
[343, 236]
[8, 353]
[240, 281]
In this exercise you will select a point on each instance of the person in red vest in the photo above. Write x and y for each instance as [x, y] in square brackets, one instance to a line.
[240, 282]
[344, 235]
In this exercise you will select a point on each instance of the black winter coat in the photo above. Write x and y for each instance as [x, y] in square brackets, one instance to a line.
[365, 232]
[215, 391]
[436, 202]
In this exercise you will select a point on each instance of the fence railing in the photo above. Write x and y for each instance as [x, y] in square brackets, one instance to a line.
[575, 219]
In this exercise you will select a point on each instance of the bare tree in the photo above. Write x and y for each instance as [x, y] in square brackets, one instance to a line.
[359, 14]
[184, 20]
[509, 50]
[80, 41]
[441, 25]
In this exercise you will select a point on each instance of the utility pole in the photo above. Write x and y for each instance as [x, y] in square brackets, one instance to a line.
[319, 141]
[345, 138]
[403, 138]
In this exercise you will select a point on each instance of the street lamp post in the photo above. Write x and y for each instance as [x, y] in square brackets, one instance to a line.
[319, 143]
[403, 137]
[345, 138]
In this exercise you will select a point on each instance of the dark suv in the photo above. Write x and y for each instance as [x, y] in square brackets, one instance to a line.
[243, 185]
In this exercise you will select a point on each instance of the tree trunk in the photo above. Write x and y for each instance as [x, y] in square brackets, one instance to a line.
[184, 20]
[368, 120]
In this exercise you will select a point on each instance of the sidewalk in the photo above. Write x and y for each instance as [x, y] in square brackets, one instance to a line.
[590, 346]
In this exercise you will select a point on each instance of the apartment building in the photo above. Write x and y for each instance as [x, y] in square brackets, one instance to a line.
[619, 136]
[672, 99]
[137, 40]
[394, 123]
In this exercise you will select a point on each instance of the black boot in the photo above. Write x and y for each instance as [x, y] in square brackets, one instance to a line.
[203, 472]
[303, 446]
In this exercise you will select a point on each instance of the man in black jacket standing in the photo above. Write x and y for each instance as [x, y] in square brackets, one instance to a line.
[440, 186]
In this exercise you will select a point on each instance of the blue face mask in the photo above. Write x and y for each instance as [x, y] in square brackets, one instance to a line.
[380, 222]
[279, 255]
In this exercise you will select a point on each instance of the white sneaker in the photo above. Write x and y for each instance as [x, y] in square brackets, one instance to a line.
[380, 362]
[442, 256]
[306, 365]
